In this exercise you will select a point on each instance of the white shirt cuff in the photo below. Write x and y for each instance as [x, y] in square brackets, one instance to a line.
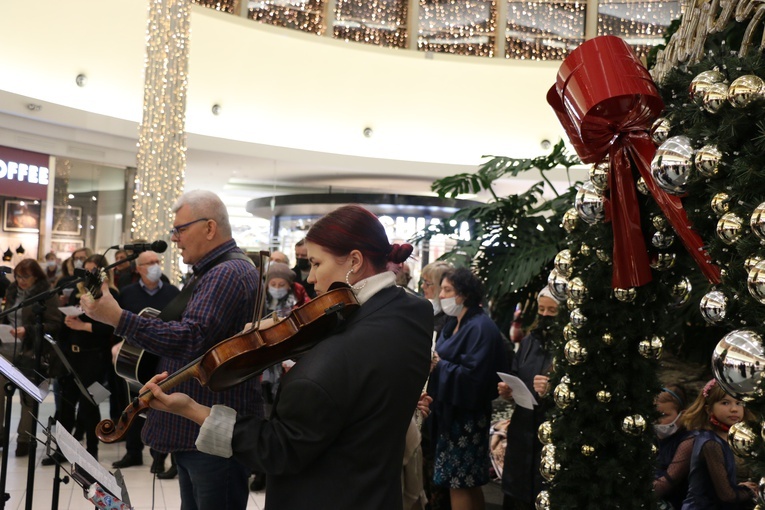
[217, 431]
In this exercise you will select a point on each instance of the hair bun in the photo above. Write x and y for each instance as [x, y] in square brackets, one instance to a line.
[400, 252]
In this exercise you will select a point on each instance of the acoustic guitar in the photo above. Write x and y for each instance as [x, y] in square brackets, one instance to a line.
[134, 364]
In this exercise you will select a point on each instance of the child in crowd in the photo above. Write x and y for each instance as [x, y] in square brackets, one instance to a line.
[712, 477]
[675, 445]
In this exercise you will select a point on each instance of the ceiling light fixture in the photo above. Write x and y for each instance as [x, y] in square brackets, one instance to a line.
[368, 132]
[34, 107]
[216, 108]
[81, 80]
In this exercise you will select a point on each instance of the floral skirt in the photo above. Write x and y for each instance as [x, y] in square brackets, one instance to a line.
[462, 451]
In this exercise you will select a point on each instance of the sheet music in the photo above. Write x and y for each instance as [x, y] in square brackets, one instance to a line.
[98, 392]
[77, 454]
[27, 386]
[75, 311]
[5, 334]
[521, 394]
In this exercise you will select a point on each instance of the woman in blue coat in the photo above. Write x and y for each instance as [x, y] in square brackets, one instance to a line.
[469, 353]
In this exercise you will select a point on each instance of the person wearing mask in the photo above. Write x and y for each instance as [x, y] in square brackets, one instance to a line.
[149, 292]
[430, 283]
[124, 274]
[29, 280]
[521, 479]
[219, 301]
[675, 445]
[77, 261]
[302, 268]
[469, 353]
[337, 433]
[52, 269]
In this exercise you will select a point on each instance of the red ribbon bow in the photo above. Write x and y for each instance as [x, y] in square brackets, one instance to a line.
[606, 101]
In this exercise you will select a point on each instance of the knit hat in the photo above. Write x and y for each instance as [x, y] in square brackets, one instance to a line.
[280, 270]
[545, 292]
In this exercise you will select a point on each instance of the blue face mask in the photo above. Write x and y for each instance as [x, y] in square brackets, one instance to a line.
[277, 293]
[154, 273]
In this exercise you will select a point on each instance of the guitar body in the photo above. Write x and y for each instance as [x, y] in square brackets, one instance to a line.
[134, 364]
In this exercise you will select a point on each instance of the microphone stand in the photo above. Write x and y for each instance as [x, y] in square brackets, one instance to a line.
[9, 389]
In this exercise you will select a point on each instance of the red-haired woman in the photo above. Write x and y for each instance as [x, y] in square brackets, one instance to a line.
[29, 280]
[336, 436]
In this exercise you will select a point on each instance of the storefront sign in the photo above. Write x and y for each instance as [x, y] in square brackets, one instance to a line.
[23, 174]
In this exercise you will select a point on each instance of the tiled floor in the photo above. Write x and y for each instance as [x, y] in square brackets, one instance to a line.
[145, 492]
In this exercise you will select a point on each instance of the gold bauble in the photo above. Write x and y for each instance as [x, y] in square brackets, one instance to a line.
[607, 338]
[744, 90]
[701, 82]
[663, 261]
[651, 348]
[659, 222]
[564, 263]
[642, 187]
[569, 332]
[707, 160]
[599, 175]
[660, 130]
[720, 203]
[742, 439]
[625, 295]
[548, 468]
[730, 228]
[585, 250]
[634, 425]
[542, 501]
[574, 352]
[544, 432]
[588, 450]
[577, 290]
[563, 396]
[570, 220]
[548, 450]
[603, 396]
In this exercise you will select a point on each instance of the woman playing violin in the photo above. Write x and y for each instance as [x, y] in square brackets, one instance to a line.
[336, 436]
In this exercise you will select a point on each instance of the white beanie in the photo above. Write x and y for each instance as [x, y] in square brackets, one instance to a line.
[545, 292]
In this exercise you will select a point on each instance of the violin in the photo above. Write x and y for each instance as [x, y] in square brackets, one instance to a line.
[246, 354]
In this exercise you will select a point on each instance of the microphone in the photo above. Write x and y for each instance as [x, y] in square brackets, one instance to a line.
[157, 246]
[5, 269]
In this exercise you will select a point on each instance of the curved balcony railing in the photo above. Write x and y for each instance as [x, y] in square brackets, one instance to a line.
[540, 30]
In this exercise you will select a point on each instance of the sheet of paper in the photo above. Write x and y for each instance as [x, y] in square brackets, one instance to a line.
[5, 334]
[521, 394]
[77, 454]
[70, 310]
[24, 384]
[98, 392]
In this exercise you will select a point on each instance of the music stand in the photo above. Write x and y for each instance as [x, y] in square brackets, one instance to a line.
[95, 393]
[16, 380]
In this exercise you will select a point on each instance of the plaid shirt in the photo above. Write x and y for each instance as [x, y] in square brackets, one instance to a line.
[220, 306]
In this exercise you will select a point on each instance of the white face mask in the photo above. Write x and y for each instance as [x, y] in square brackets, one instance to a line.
[450, 306]
[436, 306]
[154, 273]
[51, 264]
[278, 293]
[666, 430]
[78, 264]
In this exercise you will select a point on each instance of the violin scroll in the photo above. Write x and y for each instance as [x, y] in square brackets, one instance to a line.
[109, 432]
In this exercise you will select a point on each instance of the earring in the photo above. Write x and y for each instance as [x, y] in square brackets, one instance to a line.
[347, 275]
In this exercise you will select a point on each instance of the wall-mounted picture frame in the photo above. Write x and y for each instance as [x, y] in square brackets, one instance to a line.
[67, 220]
[21, 216]
[63, 248]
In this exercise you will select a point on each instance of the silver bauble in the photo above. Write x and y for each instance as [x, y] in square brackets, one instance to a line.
[701, 83]
[574, 352]
[755, 282]
[660, 130]
[634, 425]
[589, 204]
[738, 362]
[564, 263]
[720, 203]
[662, 239]
[663, 261]
[651, 348]
[707, 160]
[558, 285]
[715, 97]
[757, 221]
[544, 432]
[603, 396]
[599, 176]
[577, 318]
[542, 501]
[680, 292]
[752, 261]
[625, 295]
[672, 165]
[570, 220]
[642, 187]
[659, 222]
[714, 306]
[742, 439]
[563, 395]
[577, 290]
[745, 89]
[730, 228]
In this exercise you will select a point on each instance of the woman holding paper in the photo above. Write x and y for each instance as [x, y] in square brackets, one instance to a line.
[521, 479]
[469, 353]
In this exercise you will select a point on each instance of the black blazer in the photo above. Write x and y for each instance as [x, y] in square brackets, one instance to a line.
[336, 439]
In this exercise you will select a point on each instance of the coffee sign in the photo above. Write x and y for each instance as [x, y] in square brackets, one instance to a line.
[23, 174]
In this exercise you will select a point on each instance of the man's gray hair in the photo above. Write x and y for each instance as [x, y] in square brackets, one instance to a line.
[206, 204]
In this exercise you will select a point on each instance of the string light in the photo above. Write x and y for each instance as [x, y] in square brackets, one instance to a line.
[544, 30]
[161, 159]
[307, 16]
[460, 27]
[228, 6]
[641, 23]
[378, 22]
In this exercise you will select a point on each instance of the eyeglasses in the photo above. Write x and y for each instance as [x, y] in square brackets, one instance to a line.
[178, 230]
[425, 283]
[24, 277]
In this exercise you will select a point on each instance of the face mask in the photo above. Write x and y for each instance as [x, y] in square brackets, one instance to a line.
[78, 264]
[51, 264]
[545, 323]
[154, 273]
[450, 306]
[277, 293]
[436, 306]
[664, 431]
[303, 264]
